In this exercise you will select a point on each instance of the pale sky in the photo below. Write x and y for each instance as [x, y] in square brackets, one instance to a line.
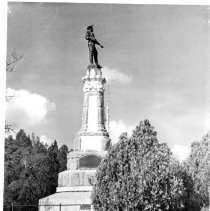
[155, 59]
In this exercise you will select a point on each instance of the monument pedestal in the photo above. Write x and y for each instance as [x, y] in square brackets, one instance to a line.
[66, 201]
[74, 185]
[73, 192]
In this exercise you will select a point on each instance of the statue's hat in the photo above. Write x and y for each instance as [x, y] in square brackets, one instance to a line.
[90, 26]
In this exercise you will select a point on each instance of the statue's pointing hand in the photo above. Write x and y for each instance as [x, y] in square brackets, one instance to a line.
[101, 46]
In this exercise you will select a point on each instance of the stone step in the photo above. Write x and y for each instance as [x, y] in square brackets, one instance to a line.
[74, 189]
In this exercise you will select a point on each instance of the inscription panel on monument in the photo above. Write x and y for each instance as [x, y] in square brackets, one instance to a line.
[93, 113]
[89, 161]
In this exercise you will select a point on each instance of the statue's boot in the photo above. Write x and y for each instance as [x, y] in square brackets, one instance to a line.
[98, 66]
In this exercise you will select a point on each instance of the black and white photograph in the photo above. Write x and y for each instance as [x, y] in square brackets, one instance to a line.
[107, 107]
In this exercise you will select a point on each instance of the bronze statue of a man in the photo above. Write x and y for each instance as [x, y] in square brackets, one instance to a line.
[93, 53]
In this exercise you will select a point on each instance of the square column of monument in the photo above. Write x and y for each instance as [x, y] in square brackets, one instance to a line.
[93, 134]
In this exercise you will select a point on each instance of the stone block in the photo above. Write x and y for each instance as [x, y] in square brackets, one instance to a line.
[89, 161]
[84, 160]
[93, 142]
[71, 178]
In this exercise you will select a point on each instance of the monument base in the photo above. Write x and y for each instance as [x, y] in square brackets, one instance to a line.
[74, 185]
[66, 201]
[73, 192]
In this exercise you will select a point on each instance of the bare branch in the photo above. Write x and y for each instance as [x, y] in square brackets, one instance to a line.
[10, 127]
[11, 61]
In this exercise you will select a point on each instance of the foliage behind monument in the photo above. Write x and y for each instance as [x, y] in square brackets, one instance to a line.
[31, 169]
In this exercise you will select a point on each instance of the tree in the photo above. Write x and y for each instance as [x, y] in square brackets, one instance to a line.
[198, 168]
[17, 152]
[31, 170]
[138, 173]
[62, 157]
[53, 165]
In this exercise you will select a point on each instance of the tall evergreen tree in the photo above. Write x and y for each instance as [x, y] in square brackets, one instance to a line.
[138, 173]
[198, 168]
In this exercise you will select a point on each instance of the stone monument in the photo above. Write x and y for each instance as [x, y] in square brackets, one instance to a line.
[74, 185]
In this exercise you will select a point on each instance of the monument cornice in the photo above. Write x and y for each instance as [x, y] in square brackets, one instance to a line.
[96, 79]
[99, 133]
